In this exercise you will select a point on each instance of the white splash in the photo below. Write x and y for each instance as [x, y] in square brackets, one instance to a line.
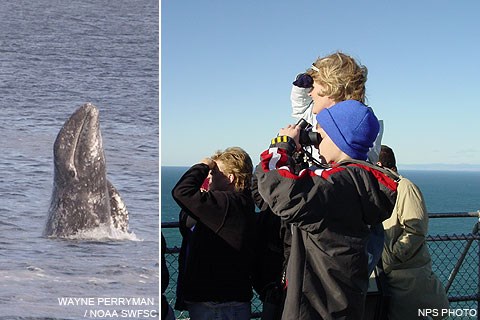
[104, 233]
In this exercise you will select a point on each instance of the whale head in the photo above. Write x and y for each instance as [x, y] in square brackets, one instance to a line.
[80, 197]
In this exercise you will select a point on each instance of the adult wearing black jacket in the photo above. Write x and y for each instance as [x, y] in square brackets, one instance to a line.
[271, 253]
[215, 275]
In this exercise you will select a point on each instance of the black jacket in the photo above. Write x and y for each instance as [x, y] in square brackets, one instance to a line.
[217, 264]
[329, 211]
[270, 254]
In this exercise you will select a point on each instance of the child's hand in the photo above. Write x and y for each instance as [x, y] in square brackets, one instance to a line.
[209, 162]
[293, 131]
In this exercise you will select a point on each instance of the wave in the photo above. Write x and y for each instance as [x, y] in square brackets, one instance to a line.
[104, 233]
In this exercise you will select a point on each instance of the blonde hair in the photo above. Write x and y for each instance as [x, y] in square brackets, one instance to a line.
[237, 162]
[341, 76]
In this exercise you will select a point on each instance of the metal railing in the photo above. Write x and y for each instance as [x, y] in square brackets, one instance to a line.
[455, 260]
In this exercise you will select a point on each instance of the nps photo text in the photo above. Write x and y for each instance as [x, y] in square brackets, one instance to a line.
[447, 312]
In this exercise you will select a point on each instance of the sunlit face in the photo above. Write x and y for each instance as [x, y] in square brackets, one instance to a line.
[320, 102]
[328, 150]
[219, 179]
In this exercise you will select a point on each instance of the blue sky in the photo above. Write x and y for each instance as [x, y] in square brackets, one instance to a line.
[227, 69]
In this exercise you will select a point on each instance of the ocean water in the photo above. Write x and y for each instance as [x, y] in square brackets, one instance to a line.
[55, 56]
[446, 192]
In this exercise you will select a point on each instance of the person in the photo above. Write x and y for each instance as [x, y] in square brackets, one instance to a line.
[270, 255]
[216, 274]
[329, 211]
[406, 260]
[331, 79]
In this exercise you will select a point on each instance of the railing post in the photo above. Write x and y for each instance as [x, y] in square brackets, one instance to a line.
[459, 263]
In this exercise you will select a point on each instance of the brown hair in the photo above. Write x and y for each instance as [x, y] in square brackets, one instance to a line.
[237, 162]
[342, 77]
[387, 158]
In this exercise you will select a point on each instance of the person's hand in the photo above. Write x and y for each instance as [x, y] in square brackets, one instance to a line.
[303, 80]
[209, 162]
[293, 131]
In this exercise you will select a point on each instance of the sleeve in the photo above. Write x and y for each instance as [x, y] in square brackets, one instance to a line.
[257, 198]
[215, 209]
[302, 105]
[290, 196]
[413, 219]
[374, 152]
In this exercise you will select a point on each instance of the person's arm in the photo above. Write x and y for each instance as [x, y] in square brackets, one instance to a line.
[290, 196]
[187, 192]
[212, 208]
[413, 218]
[302, 105]
[374, 152]
[301, 102]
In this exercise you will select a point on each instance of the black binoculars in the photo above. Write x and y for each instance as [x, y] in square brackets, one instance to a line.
[307, 136]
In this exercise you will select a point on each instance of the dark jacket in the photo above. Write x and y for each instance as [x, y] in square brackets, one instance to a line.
[217, 264]
[269, 262]
[330, 211]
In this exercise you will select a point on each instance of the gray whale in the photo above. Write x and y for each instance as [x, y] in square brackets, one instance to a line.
[82, 196]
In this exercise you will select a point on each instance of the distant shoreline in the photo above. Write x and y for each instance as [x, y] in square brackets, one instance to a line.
[440, 167]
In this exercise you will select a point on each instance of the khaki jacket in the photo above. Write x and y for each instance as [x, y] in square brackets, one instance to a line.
[406, 259]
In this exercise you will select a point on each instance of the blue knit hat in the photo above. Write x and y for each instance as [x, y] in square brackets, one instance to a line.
[352, 126]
